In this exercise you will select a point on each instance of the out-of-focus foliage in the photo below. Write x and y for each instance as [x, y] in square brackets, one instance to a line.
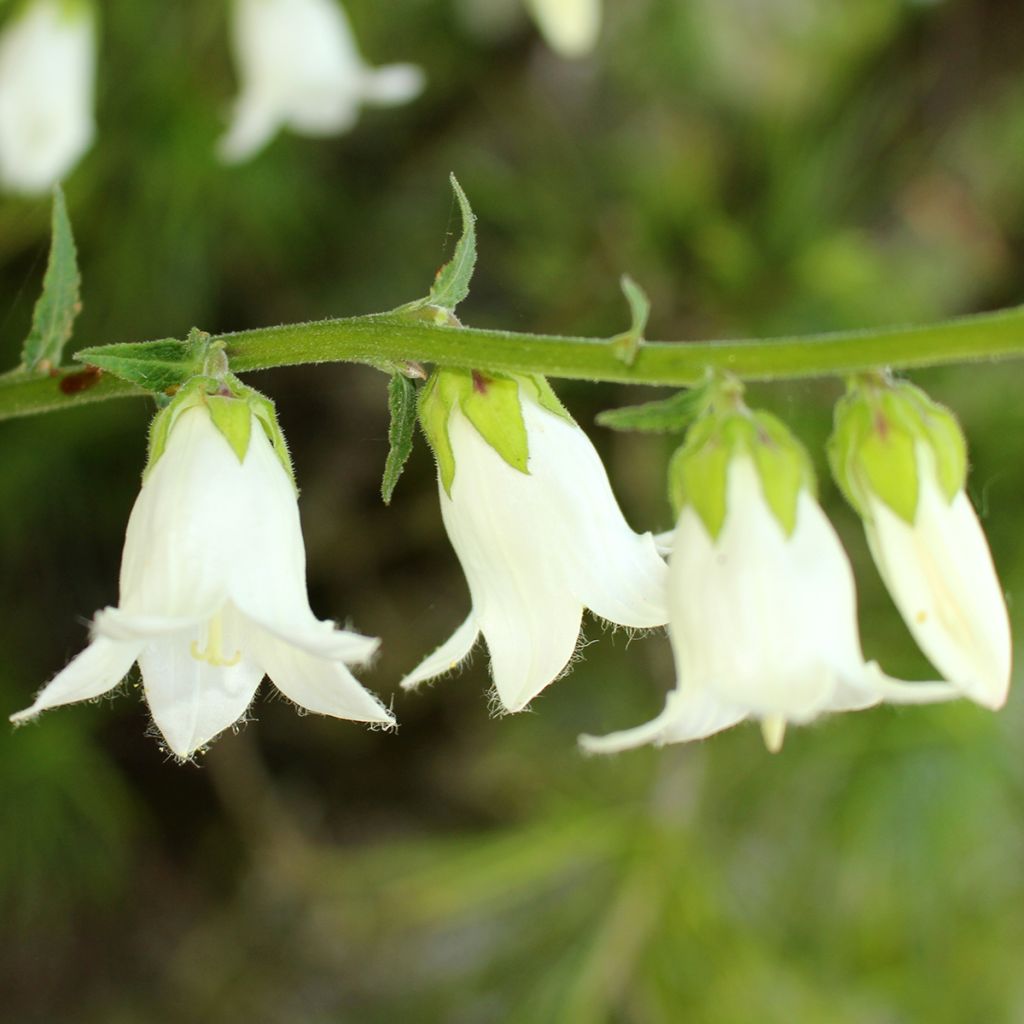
[768, 166]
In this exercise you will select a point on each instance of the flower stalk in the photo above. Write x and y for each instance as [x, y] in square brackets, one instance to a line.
[384, 340]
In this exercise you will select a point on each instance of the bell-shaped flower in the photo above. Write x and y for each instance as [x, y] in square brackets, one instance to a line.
[300, 68]
[530, 512]
[901, 460]
[213, 589]
[761, 597]
[47, 67]
[570, 27]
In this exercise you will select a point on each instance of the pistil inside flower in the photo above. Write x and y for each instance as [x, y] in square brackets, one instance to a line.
[214, 653]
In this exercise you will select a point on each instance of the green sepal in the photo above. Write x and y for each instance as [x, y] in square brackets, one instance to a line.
[491, 402]
[544, 395]
[493, 406]
[699, 470]
[784, 467]
[233, 418]
[436, 401]
[698, 475]
[873, 451]
[402, 406]
[265, 412]
[60, 301]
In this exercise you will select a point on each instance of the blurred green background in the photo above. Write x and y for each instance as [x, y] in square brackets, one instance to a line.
[760, 166]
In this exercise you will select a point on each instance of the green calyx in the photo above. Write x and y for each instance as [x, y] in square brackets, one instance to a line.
[699, 471]
[492, 402]
[232, 406]
[881, 426]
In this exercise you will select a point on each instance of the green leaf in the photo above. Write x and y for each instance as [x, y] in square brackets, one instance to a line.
[60, 302]
[402, 403]
[451, 285]
[627, 345]
[665, 416]
[154, 365]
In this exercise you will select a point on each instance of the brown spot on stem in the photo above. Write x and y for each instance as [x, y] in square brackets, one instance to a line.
[73, 383]
[479, 383]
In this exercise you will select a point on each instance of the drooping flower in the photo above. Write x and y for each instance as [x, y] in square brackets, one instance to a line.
[213, 589]
[901, 459]
[47, 67]
[761, 597]
[300, 68]
[530, 512]
[570, 27]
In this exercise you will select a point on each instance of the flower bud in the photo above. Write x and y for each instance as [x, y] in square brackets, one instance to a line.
[901, 460]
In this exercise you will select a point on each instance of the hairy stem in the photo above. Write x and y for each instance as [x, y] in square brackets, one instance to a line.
[389, 339]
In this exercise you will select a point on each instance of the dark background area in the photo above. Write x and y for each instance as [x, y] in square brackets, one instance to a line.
[759, 167]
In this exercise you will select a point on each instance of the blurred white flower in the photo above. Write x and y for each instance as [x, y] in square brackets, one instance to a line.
[939, 572]
[47, 67]
[300, 68]
[763, 625]
[537, 544]
[213, 594]
[571, 27]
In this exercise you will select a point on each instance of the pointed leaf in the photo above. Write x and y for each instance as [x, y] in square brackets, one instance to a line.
[233, 418]
[154, 365]
[451, 285]
[402, 403]
[59, 303]
[494, 407]
[627, 345]
[662, 417]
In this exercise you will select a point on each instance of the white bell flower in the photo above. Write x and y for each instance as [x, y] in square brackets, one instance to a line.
[213, 591]
[300, 68]
[537, 543]
[47, 67]
[570, 27]
[940, 574]
[762, 620]
[901, 459]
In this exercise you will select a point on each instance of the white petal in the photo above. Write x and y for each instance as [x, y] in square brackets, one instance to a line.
[899, 691]
[768, 622]
[689, 714]
[188, 526]
[254, 123]
[615, 572]
[191, 699]
[319, 685]
[940, 575]
[571, 27]
[99, 668]
[447, 657]
[47, 58]
[393, 84]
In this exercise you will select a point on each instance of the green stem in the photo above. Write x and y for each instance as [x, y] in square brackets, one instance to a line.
[388, 339]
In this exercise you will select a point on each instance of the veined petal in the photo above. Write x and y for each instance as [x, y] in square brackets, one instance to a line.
[941, 577]
[117, 625]
[198, 684]
[447, 657]
[99, 668]
[690, 714]
[319, 685]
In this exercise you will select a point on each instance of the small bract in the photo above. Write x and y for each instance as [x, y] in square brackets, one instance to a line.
[761, 599]
[213, 587]
[47, 67]
[530, 512]
[300, 68]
